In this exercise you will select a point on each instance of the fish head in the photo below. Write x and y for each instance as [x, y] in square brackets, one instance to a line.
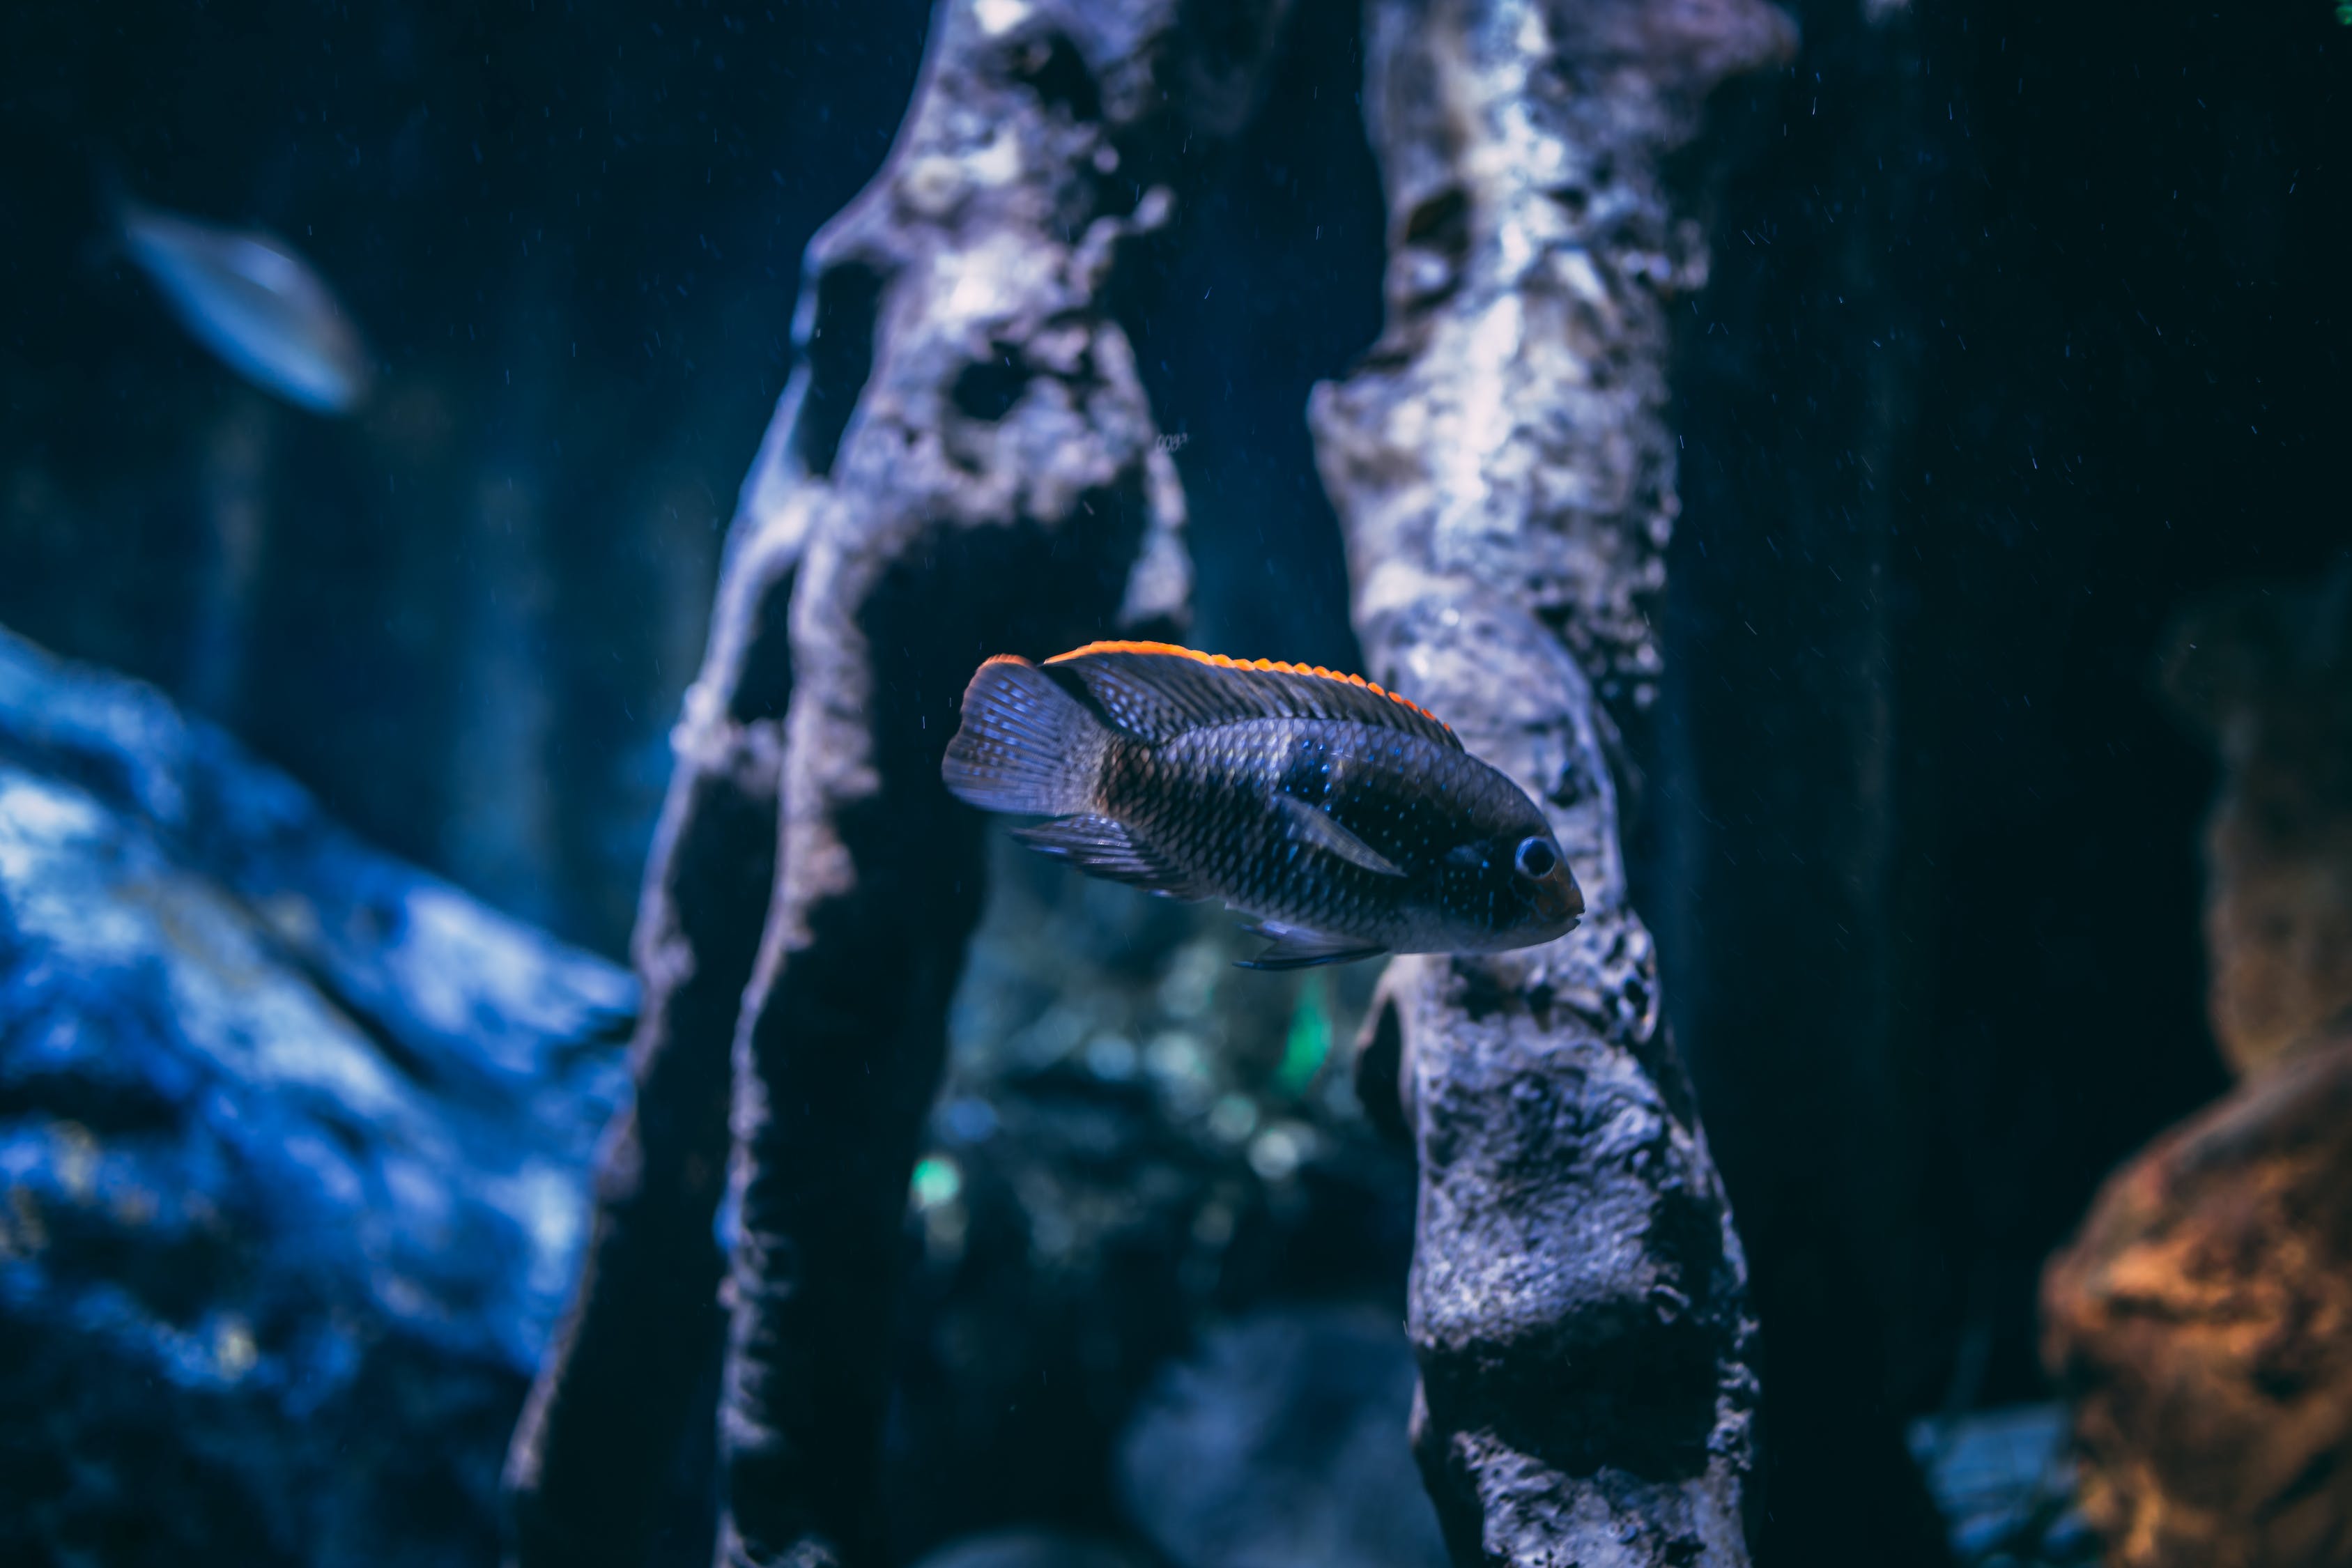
[1508, 889]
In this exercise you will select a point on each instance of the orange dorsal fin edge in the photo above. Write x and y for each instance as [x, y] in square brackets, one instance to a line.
[1269, 666]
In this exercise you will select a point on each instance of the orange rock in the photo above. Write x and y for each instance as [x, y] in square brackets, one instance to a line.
[2201, 1322]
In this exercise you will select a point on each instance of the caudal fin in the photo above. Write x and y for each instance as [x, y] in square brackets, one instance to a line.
[1026, 746]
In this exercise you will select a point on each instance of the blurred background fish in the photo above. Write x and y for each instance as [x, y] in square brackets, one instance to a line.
[247, 297]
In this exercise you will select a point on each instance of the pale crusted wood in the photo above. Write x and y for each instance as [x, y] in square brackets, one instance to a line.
[998, 487]
[616, 1393]
[963, 464]
[1505, 476]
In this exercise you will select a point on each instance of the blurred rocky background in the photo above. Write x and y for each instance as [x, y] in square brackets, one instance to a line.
[2201, 1321]
[293, 1154]
[2024, 331]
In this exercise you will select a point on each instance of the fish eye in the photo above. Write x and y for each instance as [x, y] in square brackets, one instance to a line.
[1536, 858]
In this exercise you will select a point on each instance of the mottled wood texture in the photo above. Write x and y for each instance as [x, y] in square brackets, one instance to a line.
[2201, 1321]
[963, 464]
[593, 1456]
[1504, 473]
[2202, 1324]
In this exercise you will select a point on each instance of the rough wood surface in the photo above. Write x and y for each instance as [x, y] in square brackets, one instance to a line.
[964, 465]
[616, 1399]
[1506, 478]
[2202, 1323]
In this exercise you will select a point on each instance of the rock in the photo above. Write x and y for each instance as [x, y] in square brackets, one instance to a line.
[1282, 1445]
[293, 1150]
[2266, 674]
[2201, 1322]
[2004, 1484]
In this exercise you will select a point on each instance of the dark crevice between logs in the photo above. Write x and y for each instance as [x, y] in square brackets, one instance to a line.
[1380, 1062]
[1797, 627]
[848, 1050]
[614, 1439]
[1055, 70]
[839, 357]
[987, 391]
[590, 1477]
[1618, 1390]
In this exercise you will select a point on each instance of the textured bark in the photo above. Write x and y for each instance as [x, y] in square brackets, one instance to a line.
[2201, 1321]
[1505, 478]
[963, 464]
[590, 1463]
[997, 487]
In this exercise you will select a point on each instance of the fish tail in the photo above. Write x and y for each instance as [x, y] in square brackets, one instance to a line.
[1026, 746]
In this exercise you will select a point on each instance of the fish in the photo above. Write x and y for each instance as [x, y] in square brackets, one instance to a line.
[1342, 820]
[247, 295]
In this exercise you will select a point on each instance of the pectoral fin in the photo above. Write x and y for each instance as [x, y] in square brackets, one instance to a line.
[1312, 825]
[1299, 947]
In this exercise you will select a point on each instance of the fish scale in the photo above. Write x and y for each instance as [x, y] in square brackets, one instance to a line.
[1345, 820]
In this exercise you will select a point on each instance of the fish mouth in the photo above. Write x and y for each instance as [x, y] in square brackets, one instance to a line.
[1558, 901]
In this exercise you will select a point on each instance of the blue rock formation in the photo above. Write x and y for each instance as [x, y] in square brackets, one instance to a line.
[294, 1148]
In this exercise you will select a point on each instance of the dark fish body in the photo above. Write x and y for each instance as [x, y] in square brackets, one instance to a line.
[1346, 820]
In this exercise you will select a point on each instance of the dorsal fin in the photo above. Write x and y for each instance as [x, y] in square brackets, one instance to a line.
[1157, 691]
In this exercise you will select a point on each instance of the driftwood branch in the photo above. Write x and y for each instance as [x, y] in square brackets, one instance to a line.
[964, 464]
[616, 1398]
[1506, 480]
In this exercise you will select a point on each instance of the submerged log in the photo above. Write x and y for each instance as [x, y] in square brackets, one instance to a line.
[1506, 480]
[2201, 1324]
[616, 1398]
[2201, 1321]
[964, 465]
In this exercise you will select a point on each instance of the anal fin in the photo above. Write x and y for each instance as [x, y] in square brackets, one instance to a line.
[1299, 947]
[1102, 846]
